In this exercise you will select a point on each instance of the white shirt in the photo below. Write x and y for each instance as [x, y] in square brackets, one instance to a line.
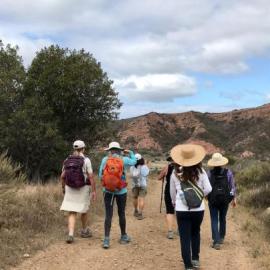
[177, 194]
[87, 166]
[139, 175]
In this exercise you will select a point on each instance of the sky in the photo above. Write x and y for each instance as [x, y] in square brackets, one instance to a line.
[163, 56]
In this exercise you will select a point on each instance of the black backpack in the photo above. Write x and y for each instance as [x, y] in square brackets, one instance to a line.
[192, 193]
[220, 194]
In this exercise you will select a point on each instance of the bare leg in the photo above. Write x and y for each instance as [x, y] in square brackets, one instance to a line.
[71, 222]
[84, 219]
[170, 220]
[135, 203]
[141, 204]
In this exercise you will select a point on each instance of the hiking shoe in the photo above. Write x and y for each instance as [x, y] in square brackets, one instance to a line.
[140, 216]
[125, 239]
[70, 239]
[106, 243]
[196, 263]
[170, 235]
[136, 213]
[221, 241]
[86, 233]
[216, 246]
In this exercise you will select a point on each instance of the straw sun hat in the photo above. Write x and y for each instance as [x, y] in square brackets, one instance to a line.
[187, 154]
[217, 160]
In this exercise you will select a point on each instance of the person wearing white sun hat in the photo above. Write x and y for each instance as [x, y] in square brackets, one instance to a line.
[112, 172]
[189, 157]
[223, 192]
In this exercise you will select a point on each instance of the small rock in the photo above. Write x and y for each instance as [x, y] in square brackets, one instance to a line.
[26, 255]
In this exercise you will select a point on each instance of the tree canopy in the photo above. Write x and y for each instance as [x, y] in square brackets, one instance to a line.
[63, 96]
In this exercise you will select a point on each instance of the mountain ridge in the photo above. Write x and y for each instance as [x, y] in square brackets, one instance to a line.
[244, 132]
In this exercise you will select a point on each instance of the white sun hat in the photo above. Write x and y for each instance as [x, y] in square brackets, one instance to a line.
[78, 144]
[187, 155]
[138, 156]
[114, 145]
[217, 160]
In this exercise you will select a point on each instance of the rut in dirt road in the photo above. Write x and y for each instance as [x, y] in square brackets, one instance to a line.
[149, 249]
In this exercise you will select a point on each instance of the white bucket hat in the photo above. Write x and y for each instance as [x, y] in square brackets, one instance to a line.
[187, 155]
[114, 145]
[217, 160]
[78, 144]
[138, 156]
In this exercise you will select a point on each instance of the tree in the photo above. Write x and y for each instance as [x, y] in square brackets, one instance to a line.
[33, 139]
[74, 86]
[12, 76]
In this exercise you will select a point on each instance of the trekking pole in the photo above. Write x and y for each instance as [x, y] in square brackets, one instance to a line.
[161, 198]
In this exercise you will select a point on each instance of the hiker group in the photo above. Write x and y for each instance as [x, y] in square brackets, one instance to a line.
[187, 187]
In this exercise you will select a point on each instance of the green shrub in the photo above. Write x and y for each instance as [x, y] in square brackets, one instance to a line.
[255, 176]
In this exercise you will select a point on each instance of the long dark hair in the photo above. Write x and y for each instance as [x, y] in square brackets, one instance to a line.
[191, 173]
[140, 162]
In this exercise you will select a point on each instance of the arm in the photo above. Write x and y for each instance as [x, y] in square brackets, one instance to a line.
[93, 185]
[207, 188]
[144, 171]
[90, 176]
[131, 160]
[62, 180]
[173, 189]
[101, 167]
[233, 187]
[163, 173]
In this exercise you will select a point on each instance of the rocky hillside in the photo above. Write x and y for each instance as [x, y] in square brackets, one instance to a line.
[243, 132]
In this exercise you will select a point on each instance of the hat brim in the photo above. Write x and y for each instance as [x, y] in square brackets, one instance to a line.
[212, 163]
[111, 148]
[199, 154]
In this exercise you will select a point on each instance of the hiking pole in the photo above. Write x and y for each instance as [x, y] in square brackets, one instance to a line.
[161, 198]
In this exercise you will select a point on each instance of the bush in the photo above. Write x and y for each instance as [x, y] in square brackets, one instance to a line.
[255, 176]
[9, 171]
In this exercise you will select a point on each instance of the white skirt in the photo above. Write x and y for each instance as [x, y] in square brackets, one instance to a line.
[76, 199]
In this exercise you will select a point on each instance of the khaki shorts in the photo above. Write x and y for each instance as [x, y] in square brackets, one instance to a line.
[139, 192]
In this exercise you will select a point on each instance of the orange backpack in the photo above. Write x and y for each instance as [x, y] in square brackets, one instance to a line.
[113, 173]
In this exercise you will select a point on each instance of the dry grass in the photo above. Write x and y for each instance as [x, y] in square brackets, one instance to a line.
[257, 235]
[30, 218]
[9, 171]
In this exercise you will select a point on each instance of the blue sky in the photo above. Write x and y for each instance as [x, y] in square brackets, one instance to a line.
[172, 56]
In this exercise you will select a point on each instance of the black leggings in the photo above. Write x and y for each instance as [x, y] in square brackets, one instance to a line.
[189, 224]
[121, 205]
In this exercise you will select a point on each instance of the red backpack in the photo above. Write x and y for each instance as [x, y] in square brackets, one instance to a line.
[113, 173]
[74, 176]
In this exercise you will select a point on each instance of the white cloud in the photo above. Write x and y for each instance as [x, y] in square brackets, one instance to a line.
[156, 87]
[133, 38]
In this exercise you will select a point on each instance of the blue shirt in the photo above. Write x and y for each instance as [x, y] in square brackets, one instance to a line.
[128, 161]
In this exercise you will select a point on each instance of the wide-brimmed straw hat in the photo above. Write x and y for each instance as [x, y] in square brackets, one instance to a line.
[114, 145]
[217, 160]
[187, 155]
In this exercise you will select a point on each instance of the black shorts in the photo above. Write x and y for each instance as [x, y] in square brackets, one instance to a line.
[168, 202]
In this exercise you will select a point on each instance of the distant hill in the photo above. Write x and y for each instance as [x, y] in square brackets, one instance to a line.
[242, 132]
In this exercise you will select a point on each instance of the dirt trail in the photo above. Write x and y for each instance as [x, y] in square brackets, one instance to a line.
[150, 249]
